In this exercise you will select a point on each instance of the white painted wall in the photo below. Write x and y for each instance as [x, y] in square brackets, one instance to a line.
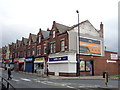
[86, 30]
[68, 66]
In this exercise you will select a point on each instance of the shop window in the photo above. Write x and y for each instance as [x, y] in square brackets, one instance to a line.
[85, 65]
[88, 65]
[82, 66]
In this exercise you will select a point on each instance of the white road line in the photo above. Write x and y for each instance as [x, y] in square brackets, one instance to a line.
[37, 81]
[25, 79]
[43, 83]
[69, 87]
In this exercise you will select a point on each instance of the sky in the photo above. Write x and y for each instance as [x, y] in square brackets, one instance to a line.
[18, 18]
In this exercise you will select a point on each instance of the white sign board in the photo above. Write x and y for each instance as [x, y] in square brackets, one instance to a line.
[114, 56]
[110, 61]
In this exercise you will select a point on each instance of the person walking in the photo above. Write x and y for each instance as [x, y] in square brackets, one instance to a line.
[9, 73]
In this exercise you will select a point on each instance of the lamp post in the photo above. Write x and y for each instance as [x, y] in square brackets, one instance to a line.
[78, 62]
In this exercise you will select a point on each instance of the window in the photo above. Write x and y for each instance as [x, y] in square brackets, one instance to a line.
[28, 52]
[33, 51]
[45, 49]
[88, 65]
[52, 48]
[38, 50]
[53, 34]
[39, 38]
[85, 65]
[82, 66]
[29, 42]
[62, 45]
[24, 53]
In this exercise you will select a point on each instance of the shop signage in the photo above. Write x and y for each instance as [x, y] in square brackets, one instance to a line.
[39, 59]
[28, 59]
[90, 46]
[59, 58]
[6, 61]
[16, 60]
[10, 61]
[21, 60]
[114, 56]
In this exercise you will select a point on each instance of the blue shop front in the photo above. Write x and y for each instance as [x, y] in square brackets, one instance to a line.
[29, 64]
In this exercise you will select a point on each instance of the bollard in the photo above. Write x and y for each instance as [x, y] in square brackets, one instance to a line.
[105, 76]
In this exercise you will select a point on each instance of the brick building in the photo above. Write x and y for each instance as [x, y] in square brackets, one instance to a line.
[57, 50]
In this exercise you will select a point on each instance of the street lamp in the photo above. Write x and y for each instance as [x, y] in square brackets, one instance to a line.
[78, 62]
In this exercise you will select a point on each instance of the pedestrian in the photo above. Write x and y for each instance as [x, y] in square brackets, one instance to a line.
[9, 73]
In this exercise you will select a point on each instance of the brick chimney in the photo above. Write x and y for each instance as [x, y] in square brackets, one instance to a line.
[101, 30]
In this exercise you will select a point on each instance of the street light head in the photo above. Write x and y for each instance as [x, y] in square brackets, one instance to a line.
[77, 11]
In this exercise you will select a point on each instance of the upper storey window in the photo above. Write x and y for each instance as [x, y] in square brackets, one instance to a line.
[39, 38]
[29, 42]
[53, 34]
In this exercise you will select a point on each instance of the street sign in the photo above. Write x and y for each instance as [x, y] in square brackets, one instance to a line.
[110, 61]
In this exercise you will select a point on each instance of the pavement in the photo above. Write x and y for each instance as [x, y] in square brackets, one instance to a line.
[71, 78]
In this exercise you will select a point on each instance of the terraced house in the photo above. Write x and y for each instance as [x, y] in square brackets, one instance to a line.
[61, 52]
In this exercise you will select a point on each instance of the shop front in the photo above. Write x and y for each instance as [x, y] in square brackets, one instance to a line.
[29, 65]
[86, 67]
[16, 64]
[39, 65]
[62, 64]
[21, 64]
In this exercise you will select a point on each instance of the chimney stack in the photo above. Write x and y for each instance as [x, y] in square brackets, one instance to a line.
[101, 26]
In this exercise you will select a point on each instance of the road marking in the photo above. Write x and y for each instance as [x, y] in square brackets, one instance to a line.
[70, 87]
[37, 81]
[43, 83]
[25, 79]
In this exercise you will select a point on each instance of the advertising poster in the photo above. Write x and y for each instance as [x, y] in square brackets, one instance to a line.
[90, 46]
[82, 66]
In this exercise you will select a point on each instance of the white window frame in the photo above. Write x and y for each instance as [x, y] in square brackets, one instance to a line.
[39, 38]
[53, 34]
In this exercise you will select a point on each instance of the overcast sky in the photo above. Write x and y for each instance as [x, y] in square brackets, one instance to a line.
[18, 18]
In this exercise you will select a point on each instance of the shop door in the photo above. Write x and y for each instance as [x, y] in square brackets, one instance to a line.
[29, 67]
[92, 66]
[41, 68]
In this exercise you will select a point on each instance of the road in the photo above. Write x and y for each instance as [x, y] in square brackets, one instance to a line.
[22, 80]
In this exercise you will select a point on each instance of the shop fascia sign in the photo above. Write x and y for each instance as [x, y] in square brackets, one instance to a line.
[28, 59]
[39, 59]
[21, 60]
[16, 60]
[59, 58]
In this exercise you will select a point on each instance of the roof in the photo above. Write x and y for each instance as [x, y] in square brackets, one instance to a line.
[25, 41]
[19, 42]
[62, 28]
[82, 23]
[45, 34]
[34, 37]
